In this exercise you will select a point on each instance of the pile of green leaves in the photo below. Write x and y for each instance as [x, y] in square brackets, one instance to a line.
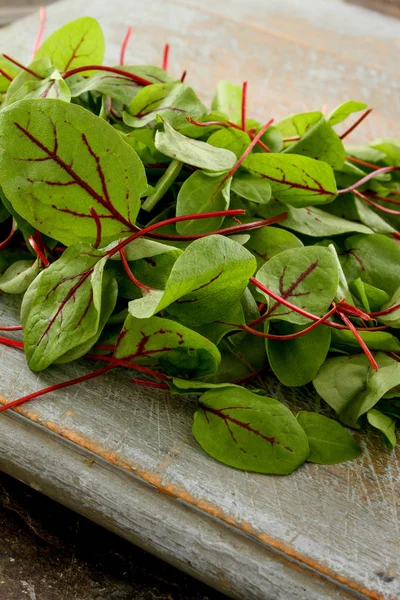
[202, 249]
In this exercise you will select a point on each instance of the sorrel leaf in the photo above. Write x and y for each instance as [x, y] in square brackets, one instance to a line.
[393, 318]
[254, 189]
[264, 243]
[370, 297]
[297, 361]
[329, 442]
[200, 193]
[351, 387]
[307, 277]
[68, 161]
[42, 67]
[375, 340]
[248, 431]
[385, 424]
[159, 341]
[53, 86]
[192, 152]
[345, 110]
[296, 180]
[18, 277]
[172, 101]
[234, 140]
[65, 309]
[315, 222]
[76, 44]
[228, 100]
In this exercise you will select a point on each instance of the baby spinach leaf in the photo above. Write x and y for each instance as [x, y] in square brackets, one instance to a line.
[329, 442]
[76, 44]
[307, 277]
[373, 258]
[234, 140]
[296, 180]
[67, 161]
[345, 110]
[265, 242]
[351, 387]
[65, 308]
[320, 142]
[251, 188]
[192, 152]
[177, 349]
[297, 361]
[173, 101]
[228, 100]
[246, 431]
[201, 193]
[385, 424]
[18, 277]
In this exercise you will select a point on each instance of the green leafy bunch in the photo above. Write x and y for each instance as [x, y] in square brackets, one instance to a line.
[202, 249]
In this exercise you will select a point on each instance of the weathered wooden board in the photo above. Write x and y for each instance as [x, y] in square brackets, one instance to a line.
[107, 449]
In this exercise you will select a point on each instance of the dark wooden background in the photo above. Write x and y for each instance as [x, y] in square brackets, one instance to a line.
[48, 552]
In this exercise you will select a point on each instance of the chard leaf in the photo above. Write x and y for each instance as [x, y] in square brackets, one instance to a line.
[254, 189]
[201, 193]
[297, 361]
[77, 44]
[307, 277]
[373, 258]
[192, 152]
[62, 310]
[385, 424]
[266, 242]
[67, 161]
[246, 431]
[175, 348]
[209, 268]
[233, 140]
[172, 101]
[321, 142]
[228, 100]
[18, 277]
[296, 180]
[351, 387]
[329, 442]
[345, 110]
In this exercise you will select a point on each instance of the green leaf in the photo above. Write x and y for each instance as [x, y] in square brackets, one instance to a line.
[144, 248]
[53, 86]
[201, 193]
[18, 277]
[79, 43]
[318, 223]
[241, 356]
[163, 184]
[43, 69]
[11, 70]
[192, 152]
[385, 424]
[228, 100]
[254, 189]
[371, 297]
[343, 288]
[142, 141]
[329, 442]
[321, 142]
[296, 180]
[391, 148]
[266, 242]
[351, 387]
[393, 318]
[67, 161]
[176, 349]
[232, 139]
[297, 361]
[373, 258]
[172, 101]
[246, 431]
[307, 277]
[345, 110]
[375, 340]
[64, 309]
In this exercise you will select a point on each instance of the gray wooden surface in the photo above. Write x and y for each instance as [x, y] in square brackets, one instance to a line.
[324, 532]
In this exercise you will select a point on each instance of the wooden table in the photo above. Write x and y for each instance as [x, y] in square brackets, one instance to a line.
[125, 457]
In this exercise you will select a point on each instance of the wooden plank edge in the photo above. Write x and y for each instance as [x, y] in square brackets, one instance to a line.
[272, 549]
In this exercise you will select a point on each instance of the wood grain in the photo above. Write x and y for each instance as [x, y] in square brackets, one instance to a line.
[324, 532]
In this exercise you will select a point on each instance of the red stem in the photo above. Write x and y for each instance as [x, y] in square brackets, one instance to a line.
[21, 66]
[244, 105]
[356, 124]
[38, 251]
[359, 339]
[250, 375]
[386, 311]
[183, 76]
[10, 236]
[367, 178]
[42, 17]
[6, 75]
[131, 276]
[152, 384]
[115, 70]
[124, 45]
[383, 198]
[13, 343]
[119, 362]
[57, 386]
[165, 57]
[11, 328]
[96, 219]
[394, 355]
[389, 211]
[226, 124]
[358, 161]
